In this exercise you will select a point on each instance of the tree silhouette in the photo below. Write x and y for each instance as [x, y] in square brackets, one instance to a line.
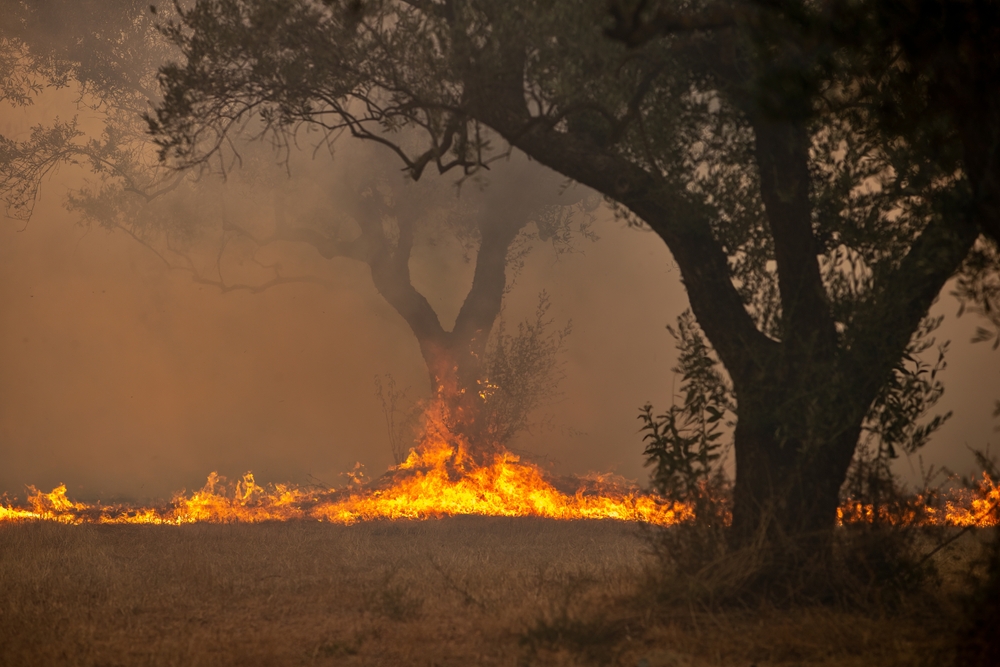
[810, 239]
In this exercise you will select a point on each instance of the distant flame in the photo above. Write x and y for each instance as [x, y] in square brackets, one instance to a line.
[441, 478]
[963, 507]
[438, 478]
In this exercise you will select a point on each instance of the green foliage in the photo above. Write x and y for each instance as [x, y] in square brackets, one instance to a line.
[884, 560]
[978, 289]
[684, 443]
[107, 55]
[521, 373]
[684, 446]
[878, 564]
[911, 392]
[894, 423]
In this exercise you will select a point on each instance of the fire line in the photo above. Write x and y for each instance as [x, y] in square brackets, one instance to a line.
[440, 478]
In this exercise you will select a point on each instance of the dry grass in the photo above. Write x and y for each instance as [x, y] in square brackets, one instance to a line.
[461, 591]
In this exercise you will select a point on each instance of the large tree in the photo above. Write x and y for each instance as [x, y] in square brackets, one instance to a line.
[811, 242]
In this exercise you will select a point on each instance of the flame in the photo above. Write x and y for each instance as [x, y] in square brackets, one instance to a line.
[441, 478]
[960, 507]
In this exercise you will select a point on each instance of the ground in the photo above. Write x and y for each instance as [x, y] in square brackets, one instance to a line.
[458, 591]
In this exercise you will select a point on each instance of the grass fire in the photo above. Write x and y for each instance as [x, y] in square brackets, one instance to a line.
[441, 478]
[728, 254]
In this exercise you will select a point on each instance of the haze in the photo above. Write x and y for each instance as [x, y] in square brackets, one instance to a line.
[127, 380]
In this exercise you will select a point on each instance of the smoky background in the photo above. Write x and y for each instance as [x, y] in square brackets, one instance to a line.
[128, 380]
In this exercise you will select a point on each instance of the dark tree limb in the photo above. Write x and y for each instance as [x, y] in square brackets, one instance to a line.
[783, 159]
[633, 30]
[901, 296]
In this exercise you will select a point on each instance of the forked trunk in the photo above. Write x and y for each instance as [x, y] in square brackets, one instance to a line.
[455, 369]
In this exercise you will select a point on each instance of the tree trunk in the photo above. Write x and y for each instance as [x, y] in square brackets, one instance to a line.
[455, 370]
[455, 358]
[787, 488]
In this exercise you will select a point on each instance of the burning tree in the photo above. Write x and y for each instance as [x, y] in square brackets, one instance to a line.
[811, 240]
[490, 381]
[369, 212]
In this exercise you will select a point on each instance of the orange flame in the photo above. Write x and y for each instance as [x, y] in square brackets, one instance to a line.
[961, 507]
[440, 478]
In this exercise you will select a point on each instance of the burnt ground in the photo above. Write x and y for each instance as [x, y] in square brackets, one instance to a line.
[458, 591]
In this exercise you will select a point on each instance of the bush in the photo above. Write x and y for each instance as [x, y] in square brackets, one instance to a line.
[684, 446]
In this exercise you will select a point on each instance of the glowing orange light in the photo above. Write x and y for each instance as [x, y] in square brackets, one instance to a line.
[960, 507]
[438, 478]
[441, 478]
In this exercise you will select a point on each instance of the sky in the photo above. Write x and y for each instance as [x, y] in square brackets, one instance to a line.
[126, 380]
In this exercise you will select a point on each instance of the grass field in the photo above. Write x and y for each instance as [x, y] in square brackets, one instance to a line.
[459, 591]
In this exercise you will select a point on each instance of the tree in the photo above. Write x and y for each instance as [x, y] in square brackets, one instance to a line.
[369, 213]
[810, 241]
[372, 215]
[109, 57]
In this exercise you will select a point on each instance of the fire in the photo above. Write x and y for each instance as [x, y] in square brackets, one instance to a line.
[961, 507]
[441, 478]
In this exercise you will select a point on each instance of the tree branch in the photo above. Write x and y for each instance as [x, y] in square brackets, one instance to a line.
[783, 158]
[482, 304]
[328, 248]
[634, 31]
[680, 222]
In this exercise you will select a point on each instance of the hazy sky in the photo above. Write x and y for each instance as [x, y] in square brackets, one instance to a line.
[127, 380]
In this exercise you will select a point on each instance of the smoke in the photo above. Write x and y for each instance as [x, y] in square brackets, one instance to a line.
[126, 379]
